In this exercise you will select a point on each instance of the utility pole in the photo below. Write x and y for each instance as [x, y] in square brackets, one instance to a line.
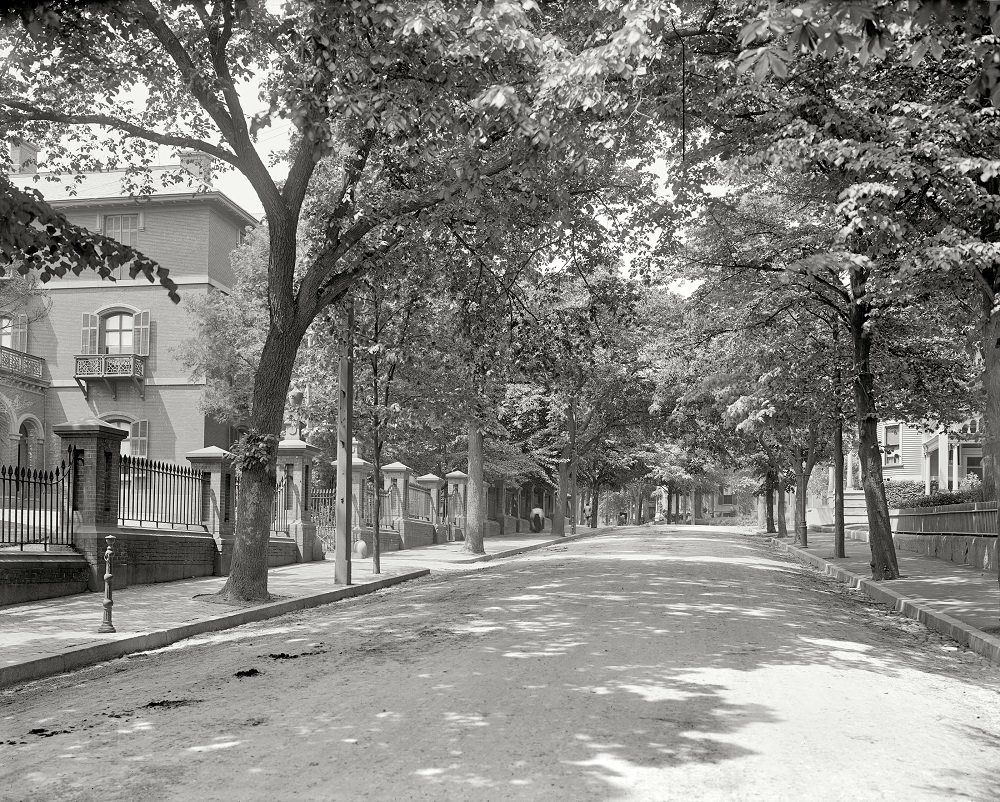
[345, 454]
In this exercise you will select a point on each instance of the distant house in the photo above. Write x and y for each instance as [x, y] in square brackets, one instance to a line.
[100, 349]
[940, 459]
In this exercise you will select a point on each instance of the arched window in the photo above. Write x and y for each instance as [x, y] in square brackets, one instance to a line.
[6, 331]
[117, 333]
[137, 442]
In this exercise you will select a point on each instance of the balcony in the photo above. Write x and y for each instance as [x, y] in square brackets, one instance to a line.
[21, 365]
[110, 369]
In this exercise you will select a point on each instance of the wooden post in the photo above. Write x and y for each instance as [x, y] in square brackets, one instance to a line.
[345, 434]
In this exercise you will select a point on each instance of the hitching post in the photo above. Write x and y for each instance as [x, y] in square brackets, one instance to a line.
[106, 625]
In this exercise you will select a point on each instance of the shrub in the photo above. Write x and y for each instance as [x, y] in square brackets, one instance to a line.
[966, 496]
[904, 494]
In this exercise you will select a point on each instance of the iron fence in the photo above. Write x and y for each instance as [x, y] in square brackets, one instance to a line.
[455, 513]
[281, 504]
[37, 505]
[420, 504]
[161, 494]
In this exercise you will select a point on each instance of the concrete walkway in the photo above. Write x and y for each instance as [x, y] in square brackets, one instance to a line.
[53, 635]
[959, 601]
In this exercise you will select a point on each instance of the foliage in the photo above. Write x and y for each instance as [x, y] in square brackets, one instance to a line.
[904, 494]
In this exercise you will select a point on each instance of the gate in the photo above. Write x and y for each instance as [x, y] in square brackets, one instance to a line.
[37, 506]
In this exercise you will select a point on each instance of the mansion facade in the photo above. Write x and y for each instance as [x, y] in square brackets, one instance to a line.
[93, 348]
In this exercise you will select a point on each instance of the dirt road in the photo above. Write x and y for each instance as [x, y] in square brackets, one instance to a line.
[658, 664]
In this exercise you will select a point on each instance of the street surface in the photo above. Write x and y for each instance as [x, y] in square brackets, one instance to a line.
[658, 664]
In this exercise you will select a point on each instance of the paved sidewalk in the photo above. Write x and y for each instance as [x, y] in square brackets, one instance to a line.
[54, 635]
[957, 600]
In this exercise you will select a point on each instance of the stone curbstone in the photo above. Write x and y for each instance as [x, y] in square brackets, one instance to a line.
[109, 650]
[967, 635]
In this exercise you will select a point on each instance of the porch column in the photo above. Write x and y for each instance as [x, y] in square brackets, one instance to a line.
[299, 454]
[927, 471]
[850, 470]
[956, 467]
[944, 453]
[96, 447]
[217, 505]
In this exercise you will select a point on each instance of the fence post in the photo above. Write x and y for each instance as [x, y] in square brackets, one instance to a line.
[96, 483]
[218, 503]
[397, 475]
[433, 483]
[299, 454]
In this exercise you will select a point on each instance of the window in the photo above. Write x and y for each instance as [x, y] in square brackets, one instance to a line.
[123, 227]
[891, 454]
[974, 465]
[116, 332]
[14, 332]
[137, 442]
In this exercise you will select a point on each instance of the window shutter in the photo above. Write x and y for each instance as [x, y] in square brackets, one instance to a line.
[141, 333]
[141, 222]
[140, 438]
[19, 335]
[91, 324]
[100, 223]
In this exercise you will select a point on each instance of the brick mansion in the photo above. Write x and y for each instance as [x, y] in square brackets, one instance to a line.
[92, 348]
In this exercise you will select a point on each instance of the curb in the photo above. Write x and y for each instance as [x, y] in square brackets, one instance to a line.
[157, 639]
[482, 558]
[967, 635]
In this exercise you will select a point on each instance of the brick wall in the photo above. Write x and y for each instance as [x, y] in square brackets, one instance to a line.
[143, 557]
[281, 551]
[223, 237]
[25, 577]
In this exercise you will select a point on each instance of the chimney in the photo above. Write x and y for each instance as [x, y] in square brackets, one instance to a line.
[198, 164]
[24, 155]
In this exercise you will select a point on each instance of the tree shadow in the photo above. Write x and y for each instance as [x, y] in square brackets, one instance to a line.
[597, 673]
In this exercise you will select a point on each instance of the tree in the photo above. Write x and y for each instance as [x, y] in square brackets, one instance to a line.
[409, 108]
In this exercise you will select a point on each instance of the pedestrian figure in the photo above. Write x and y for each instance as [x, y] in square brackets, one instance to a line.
[537, 519]
[587, 510]
[622, 518]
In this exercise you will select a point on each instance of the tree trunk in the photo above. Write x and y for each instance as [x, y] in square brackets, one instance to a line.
[670, 500]
[839, 539]
[594, 505]
[782, 523]
[475, 512]
[637, 512]
[562, 492]
[769, 483]
[376, 525]
[801, 527]
[799, 512]
[883, 562]
[247, 581]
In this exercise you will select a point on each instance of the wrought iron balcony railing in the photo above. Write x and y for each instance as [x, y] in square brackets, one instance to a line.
[110, 368]
[21, 364]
